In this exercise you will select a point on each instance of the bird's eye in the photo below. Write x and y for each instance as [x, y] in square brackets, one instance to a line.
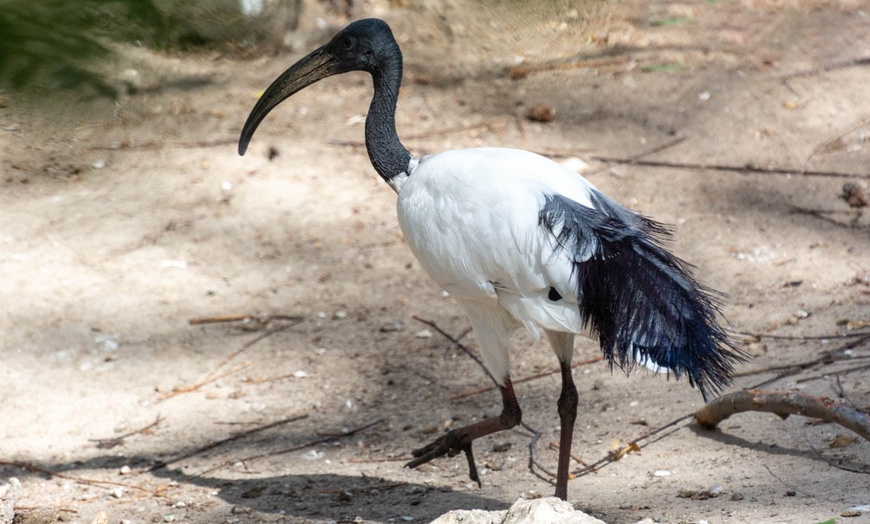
[348, 43]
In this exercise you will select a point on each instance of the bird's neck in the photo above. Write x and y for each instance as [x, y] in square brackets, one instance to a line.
[387, 154]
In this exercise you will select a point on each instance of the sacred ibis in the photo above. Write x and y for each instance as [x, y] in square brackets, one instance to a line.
[518, 240]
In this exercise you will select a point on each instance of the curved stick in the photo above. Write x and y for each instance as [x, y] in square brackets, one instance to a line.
[783, 404]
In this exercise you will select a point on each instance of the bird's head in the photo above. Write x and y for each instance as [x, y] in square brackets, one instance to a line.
[364, 45]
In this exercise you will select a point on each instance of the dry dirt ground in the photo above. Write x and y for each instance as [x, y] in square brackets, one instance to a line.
[121, 222]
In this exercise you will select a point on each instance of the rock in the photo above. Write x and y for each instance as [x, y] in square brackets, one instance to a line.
[548, 510]
[9, 493]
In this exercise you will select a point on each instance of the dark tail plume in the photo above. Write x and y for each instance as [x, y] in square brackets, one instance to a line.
[641, 300]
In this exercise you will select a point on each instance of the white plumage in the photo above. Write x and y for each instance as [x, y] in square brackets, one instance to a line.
[470, 216]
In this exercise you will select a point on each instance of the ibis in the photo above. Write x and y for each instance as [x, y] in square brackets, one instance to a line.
[520, 241]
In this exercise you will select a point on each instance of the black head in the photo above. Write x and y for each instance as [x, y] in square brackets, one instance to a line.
[365, 45]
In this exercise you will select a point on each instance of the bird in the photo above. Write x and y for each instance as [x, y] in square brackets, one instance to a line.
[518, 240]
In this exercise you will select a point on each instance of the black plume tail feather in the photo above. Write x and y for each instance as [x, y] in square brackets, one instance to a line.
[641, 300]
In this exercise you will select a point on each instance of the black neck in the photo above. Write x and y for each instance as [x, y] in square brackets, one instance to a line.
[387, 154]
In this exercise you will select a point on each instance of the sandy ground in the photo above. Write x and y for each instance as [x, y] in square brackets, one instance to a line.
[120, 222]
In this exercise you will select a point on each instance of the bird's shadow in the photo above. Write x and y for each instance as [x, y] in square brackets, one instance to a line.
[334, 497]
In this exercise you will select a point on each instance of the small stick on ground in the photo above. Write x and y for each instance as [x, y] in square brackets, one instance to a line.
[783, 404]
[315, 442]
[213, 375]
[529, 378]
[196, 387]
[109, 443]
[555, 446]
[643, 154]
[233, 438]
[731, 168]
[801, 337]
[831, 462]
[458, 344]
[36, 469]
[634, 445]
[828, 357]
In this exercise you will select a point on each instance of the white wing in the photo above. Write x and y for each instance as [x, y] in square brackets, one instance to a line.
[472, 219]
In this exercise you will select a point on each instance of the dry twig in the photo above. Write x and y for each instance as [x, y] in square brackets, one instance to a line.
[783, 404]
[109, 443]
[309, 444]
[529, 378]
[53, 474]
[632, 446]
[214, 374]
[221, 442]
[733, 168]
[181, 390]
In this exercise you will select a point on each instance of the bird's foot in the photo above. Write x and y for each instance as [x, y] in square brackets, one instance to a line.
[451, 444]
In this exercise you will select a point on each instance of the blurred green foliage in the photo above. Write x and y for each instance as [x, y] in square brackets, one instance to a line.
[63, 44]
[52, 43]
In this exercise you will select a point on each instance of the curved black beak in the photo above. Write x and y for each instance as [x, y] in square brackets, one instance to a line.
[316, 66]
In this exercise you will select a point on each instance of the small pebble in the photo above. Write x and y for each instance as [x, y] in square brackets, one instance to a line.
[124, 470]
[395, 326]
[118, 492]
[662, 473]
[790, 493]
[704, 96]
[425, 333]
[168, 518]
[99, 164]
[541, 113]
[501, 447]
[312, 454]
[300, 374]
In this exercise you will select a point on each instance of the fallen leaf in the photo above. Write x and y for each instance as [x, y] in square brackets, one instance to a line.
[841, 441]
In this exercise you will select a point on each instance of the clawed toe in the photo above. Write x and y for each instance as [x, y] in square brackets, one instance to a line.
[451, 445]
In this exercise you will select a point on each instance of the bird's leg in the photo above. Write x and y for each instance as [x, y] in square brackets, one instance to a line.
[460, 439]
[567, 415]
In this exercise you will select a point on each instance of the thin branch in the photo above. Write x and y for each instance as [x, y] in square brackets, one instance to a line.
[831, 462]
[196, 387]
[828, 357]
[801, 337]
[783, 404]
[458, 344]
[214, 374]
[632, 446]
[533, 455]
[237, 436]
[827, 67]
[529, 378]
[309, 444]
[36, 469]
[839, 373]
[733, 168]
[555, 446]
[109, 443]
[784, 483]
